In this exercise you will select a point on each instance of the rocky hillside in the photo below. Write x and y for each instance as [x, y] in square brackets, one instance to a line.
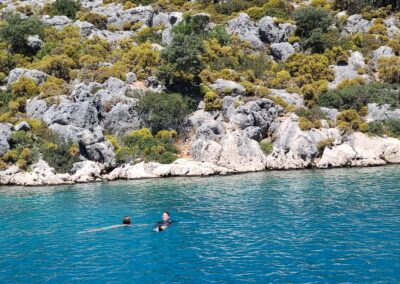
[125, 89]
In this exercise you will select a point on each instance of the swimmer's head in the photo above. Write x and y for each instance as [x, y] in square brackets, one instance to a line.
[165, 216]
[126, 220]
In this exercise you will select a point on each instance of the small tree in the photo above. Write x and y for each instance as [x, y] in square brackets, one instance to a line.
[16, 31]
[182, 59]
[309, 18]
[65, 7]
[163, 111]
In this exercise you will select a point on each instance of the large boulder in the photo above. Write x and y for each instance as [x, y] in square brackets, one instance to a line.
[122, 119]
[356, 24]
[275, 33]
[290, 98]
[383, 51]
[260, 113]
[282, 50]
[38, 76]
[382, 112]
[345, 72]
[5, 135]
[86, 171]
[356, 59]
[246, 29]
[240, 153]
[296, 144]
[34, 42]
[102, 152]
[77, 134]
[85, 27]
[226, 87]
[58, 22]
[41, 174]
[82, 114]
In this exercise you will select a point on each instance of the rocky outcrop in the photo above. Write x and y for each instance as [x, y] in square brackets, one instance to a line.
[246, 29]
[233, 144]
[356, 24]
[38, 76]
[290, 98]
[226, 88]
[41, 174]
[5, 135]
[361, 150]
[180, 167]
[281, 51]
[86, 171]
[274, 33]
[382, 112]
[295, 145]
[383, 51]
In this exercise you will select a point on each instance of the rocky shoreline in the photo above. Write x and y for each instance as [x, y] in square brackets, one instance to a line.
[43, 175]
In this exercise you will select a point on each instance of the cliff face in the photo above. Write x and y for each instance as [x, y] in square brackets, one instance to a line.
[266, 96]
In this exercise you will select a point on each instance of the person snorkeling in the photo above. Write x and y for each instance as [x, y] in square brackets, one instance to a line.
[165, 223]
[126, 222]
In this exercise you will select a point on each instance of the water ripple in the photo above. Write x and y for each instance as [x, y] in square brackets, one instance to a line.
[295, 226]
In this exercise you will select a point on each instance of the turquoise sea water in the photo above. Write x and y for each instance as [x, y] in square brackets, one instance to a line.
[296, 226]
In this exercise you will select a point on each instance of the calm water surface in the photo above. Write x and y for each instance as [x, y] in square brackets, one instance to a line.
[297, 226]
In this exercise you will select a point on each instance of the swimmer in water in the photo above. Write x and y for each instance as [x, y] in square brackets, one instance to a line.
[126, 222]
[165, 223]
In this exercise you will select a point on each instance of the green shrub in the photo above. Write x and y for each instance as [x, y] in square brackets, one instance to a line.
[67, 8]
[310, 114]
[56, 65]
[310, 18]
[16, 30]
[212, 101]
[337, 55]
[389, 69]
[59, 155]
[7, 62]
[149, 34]
[142, 145]
[359, 96]
[266, 147]
[325, 143]
[305, 124]
[182, 59]
[309, 68]
[163, 111]
[98, 20]
[390, 127]
[5, 98]
[54, 87]
[25, 88]
[349, 120]
[10, 156]
[393, 127]
[21, 139]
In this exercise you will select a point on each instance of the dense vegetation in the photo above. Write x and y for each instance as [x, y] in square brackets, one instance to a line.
[198, 55]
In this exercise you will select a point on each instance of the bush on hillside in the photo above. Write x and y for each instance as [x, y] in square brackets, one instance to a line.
[25, 87]
[67, 8]
[349, 120]
[182, 59]
[389, 69]
[163, 111]
[310, 18]
[359, 96]
[142, 145]
[307, 69]
[16, 30]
